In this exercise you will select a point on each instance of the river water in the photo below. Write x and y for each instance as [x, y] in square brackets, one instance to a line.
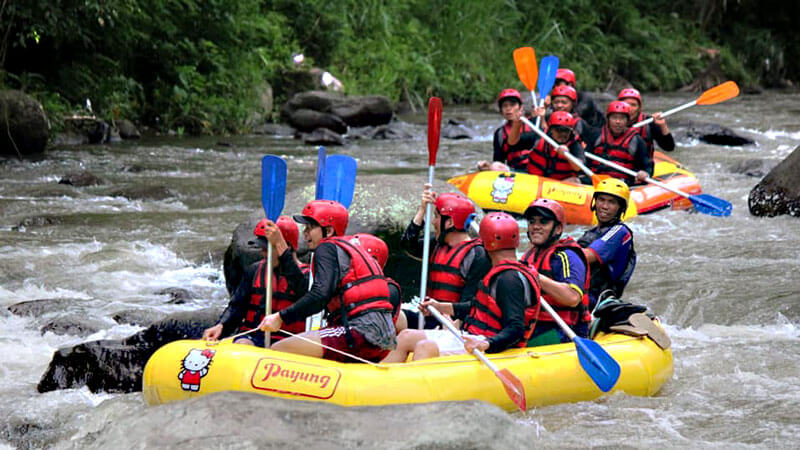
[728, 289]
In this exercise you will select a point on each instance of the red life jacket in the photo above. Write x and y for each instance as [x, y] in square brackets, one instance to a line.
[362, 289]
[516, 159]
[445, 281]
[542, 263]
[282, 298]
[485, 316]
[544, 161]
[615, 150]
[646, 134]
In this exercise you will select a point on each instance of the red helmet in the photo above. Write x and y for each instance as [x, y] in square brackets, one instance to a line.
[630, 93]
[289, 231]
[261, 228]
[499, 231]
[561, 119]
[618, 107]
[565, 91]
[325, 213]
[373, 245]
[508, 93]
[553, 207]
[566, 75]
[456, 207]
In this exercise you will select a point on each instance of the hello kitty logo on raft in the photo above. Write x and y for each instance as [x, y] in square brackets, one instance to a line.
[194, 367]
[502, 187]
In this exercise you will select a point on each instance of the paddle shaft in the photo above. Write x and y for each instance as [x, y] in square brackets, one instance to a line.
[452, 328]
[268, 301]
[555, 144]
[633, 174]
[571, 334]
[666, 113]
[426, 251]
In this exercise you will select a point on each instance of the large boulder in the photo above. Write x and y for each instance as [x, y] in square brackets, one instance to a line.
[355, 111]
[323, 136]
[24, 125]
[310, 120]
[710, 133]
[779, 192]
[81, 130]
[81, 179]
[116, 365]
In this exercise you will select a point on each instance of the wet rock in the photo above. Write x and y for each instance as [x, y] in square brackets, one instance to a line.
[127, 130]
[140, 317]
[709, 133]
[391, 131]
[309, 120]
[779, 192]
[176, 295]
[455, 129]
[752, 167]
[240, 254]
[323, 136]
[143, 192]
[274, 129]
[356, 111]
[74, 325]
[24, 124]
[80, 130]
[36, 308]
[81, 179]
[248, 420]
[38, 221]
[116, 365]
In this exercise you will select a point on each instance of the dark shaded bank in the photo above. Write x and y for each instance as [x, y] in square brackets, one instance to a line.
[226, 66]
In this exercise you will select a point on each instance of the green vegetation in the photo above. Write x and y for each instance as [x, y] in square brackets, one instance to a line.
[200, 65]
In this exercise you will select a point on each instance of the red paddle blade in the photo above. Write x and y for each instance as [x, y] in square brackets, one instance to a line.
[514, 388]
[720, 93]
[434, 127]
[527, 70]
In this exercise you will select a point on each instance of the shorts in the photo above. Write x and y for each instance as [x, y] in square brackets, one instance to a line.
[256, 337]
[336, 337]
[448, 344]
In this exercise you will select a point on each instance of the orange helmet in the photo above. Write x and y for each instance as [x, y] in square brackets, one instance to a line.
[325, 213]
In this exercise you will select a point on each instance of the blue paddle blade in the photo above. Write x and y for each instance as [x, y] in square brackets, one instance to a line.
[319, 195]
[340, 179]
[273, 186]
[708, 204]
[597, 363]
[547, 75]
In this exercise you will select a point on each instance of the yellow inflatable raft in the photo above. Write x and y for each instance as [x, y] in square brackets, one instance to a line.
[513, 192]
[551, 374]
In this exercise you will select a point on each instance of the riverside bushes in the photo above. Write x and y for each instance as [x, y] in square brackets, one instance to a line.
[196, 64]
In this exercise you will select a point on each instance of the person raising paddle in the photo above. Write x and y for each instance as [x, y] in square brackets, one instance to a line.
[546, 161]
[513, 140]
[608, 247]
[457, 262]
[502, 313]
[289, 283]
[657, 131]
[563, 273]
[348, 285]
[620, 143]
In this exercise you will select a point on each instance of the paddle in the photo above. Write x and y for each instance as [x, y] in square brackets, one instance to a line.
[273, 194]
[318, 195]
[704, 203]
[595, 178]
[547, 78]
[434, 127]
[716, 94]
[596, 362]
[528, 73]
[512, 384]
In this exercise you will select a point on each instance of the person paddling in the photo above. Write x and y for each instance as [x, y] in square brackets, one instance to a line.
[657, 131]
[378, 249]
[563, 273]
[513, 140]
[608, 247]
[502, 313]
[348, 285]
[546, 161]
[289, 283]
[457, 262]
[586, 107]
[620, 143]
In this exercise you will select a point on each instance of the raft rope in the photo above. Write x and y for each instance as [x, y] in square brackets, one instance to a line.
[357, 358]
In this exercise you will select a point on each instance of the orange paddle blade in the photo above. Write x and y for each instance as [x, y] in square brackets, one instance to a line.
[514, 388]
[720, 93]
[527, 70]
